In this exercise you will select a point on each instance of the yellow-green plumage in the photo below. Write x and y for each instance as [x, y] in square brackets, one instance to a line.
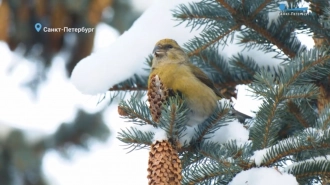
[177, 73]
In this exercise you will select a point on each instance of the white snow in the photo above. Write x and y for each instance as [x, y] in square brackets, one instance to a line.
[246, 103]
[306, 40]
[104, 36]
[126, 56]
[160, 135]
[273, 17]
[263, 176]
[50, 108]
[259, 156]
[232, 131]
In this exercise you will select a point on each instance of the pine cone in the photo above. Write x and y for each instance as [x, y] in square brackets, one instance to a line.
[164, 166]
[157, 94]
[122, 111]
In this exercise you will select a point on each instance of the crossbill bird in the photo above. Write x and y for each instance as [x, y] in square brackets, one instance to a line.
[172, 65]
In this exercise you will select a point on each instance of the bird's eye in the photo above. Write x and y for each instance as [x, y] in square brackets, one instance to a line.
[168, 46]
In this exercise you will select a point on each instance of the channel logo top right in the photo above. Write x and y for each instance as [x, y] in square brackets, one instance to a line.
[298, 11]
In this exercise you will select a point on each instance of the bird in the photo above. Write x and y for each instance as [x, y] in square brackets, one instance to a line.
[171, 63]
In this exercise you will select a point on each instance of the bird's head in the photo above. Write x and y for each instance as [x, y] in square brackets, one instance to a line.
[168, 50]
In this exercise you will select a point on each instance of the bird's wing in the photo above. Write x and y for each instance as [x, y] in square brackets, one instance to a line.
[200, 75]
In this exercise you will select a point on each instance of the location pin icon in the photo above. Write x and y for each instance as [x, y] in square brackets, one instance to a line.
[38, 27]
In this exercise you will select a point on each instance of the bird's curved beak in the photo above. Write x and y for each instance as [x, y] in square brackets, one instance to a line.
[158, 51]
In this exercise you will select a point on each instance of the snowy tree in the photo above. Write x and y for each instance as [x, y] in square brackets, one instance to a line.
[241, 45]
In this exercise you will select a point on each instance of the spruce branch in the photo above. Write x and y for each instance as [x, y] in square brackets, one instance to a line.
[227, 6]
[325, 18]
[189, 158]
[295, 110]
[266, 138]
[287, 87]
[172, 122]
[240, 70]
[323, 121]
[259, 9]
[315, 26]
[243, 69]
[135, 83]
[246, 64]
[263, 82]
[312, 21]
[174, 116]
[204, 13]
[307, 140]
[221, 153]
[266, 125]
[310, 169]
[213, 62]
[128, 88]
[210, 41]
[201, 18]
[283, 23]
[225, 77]
[309, 66]
[308, 91]
[135, 139]
[267, 35]
[208, 172]
[136, 111]
[213, 123]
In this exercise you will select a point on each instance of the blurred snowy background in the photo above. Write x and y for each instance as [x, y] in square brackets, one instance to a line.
[39, 106]
[37, 96]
